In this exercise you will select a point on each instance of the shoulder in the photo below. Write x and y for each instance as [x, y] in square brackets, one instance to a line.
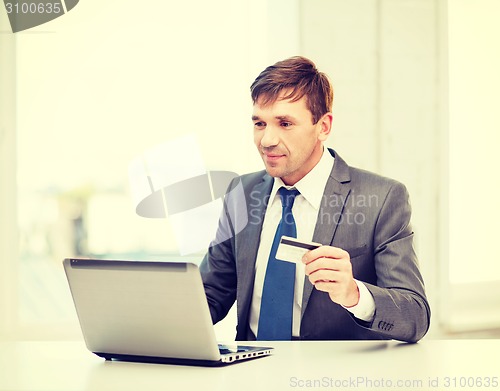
[366, 182]
[367, 179]
[254, 177]
[379, 190]
[250, 180]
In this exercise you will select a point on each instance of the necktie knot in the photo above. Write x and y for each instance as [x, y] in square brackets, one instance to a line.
[288, 197]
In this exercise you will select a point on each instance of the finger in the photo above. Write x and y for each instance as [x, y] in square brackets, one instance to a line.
[326, 286]
[323, 264]
[341, 265]
[325, 276]
[324, 251]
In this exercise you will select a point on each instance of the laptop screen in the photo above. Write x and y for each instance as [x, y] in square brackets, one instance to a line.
[142, 308]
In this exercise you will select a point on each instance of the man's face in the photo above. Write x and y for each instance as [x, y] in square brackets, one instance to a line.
[289, 143]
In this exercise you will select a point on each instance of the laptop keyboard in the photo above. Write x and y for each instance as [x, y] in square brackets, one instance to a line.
[225, 349]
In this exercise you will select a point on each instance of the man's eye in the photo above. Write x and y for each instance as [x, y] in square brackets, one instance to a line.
[259, 125]
[286, 124]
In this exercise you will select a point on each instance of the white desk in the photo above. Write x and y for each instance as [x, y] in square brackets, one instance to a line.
[293, 366]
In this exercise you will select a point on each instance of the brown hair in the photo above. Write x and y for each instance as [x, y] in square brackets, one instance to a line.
[300, 76]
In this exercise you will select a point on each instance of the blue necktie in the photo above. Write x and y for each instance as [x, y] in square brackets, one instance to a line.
[276, 308]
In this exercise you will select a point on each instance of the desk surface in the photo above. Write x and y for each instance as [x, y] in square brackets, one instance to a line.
[430, 364]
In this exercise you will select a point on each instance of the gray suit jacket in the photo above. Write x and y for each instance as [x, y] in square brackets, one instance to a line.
[363, 213]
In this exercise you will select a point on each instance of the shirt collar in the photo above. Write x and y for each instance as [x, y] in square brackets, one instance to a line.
[312, 186]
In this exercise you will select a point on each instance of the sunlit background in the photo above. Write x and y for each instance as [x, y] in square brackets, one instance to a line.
[416, 98]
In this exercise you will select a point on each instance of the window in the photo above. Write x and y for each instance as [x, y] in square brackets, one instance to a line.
[474, 272]
[91, 97]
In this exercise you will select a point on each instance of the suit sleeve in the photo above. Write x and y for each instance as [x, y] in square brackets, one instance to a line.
[401, 308]
[218, 267]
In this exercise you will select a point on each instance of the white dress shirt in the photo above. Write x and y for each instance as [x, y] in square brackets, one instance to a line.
[305, 212]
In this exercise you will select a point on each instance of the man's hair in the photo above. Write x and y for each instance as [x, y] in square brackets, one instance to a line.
[299, 76]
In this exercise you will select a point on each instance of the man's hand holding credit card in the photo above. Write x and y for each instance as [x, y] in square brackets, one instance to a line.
[292, 250]
[329, 270]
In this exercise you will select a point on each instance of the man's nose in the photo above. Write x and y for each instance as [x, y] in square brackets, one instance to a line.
[270, 138]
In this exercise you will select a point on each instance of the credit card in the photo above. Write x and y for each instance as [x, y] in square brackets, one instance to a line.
[292, 249]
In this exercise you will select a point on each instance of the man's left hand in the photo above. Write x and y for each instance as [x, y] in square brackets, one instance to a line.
[330, 270]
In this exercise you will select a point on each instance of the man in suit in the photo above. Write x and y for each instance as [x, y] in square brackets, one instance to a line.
[364, 281]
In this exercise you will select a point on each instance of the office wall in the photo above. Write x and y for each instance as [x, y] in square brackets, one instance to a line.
[416, 99]
[385, 62]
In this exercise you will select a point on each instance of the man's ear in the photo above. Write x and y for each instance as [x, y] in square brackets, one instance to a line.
[325, 124]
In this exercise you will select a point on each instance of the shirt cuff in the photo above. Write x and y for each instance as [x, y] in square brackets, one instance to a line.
[365, 309]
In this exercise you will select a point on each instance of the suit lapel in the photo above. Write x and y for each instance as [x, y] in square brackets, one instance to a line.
[336, 192]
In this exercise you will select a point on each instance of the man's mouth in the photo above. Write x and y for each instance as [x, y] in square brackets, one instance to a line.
[272, 157]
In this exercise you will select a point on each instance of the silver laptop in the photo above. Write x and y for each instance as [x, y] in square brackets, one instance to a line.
[149, 312]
